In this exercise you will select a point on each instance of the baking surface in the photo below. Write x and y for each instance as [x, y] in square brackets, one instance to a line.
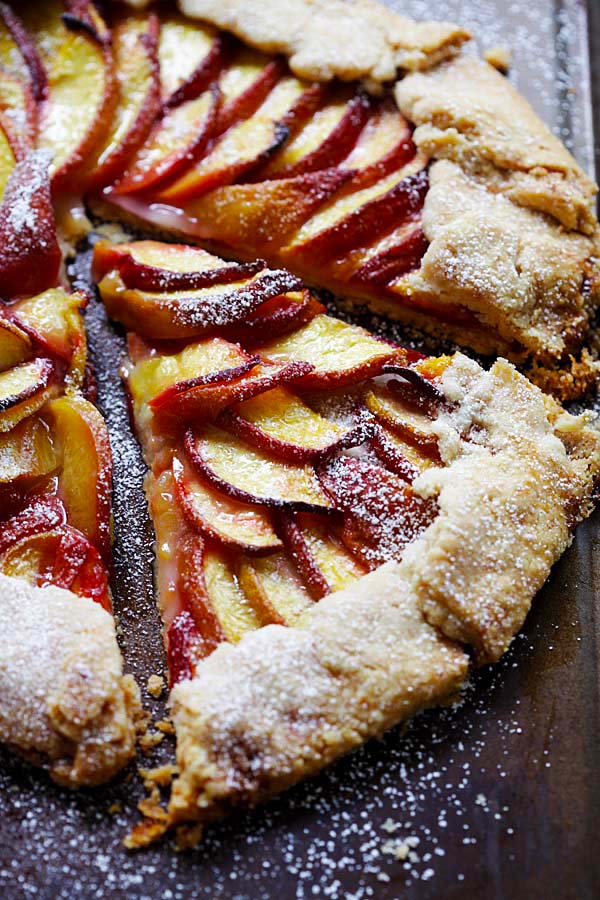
[496, 797]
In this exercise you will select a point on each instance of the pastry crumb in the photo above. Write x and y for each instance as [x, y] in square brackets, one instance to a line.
[155, 685]
[166, 726]
[150, 740]
[499, 57]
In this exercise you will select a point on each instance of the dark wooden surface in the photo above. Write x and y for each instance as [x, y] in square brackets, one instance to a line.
[501, 791]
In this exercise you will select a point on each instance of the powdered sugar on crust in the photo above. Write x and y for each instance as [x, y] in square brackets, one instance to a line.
[63, 697]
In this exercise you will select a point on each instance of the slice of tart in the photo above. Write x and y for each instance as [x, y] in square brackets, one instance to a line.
[339, 521]
[445, 203]
[64, 702]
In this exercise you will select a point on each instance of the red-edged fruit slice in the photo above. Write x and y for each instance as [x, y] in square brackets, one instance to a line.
[27, 452]
[204, 397]
[178, 138]
[357, 218]
[135, 52]
[18, 108]
[326, 138]
[240, 148]
[191, 55]
[185, 647]
[384, 145]
[78, 567]
[280, 423]
[400, 457]
[395, 410]
[43, 513]
[390, 258]
[15, 345]
[341, 354]
[245, 85]
[85, 478]
[52, 319]
[382, 514]
[322, 561]
[276, 317]
[274, 588]
[23, 390]
[30, 255]
[75, 51]
[221, 517]
[10, 152]
[253, 477]
[186, 314]
[272, 210]
[18, 53]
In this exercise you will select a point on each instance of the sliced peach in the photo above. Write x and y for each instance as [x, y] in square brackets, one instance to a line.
[341, 354]
[184, 648]
[178, 138]
[175, 258]
[323, 562]
[86, 468]
[206, 397]
[154, 374]
[274, 588]
[75, 51]
[8, 155]
[245, 85]
[186, 314]
[152, 278]
[392, 257]
[382, 514]
[18, 108]
[27, 452]
[191, 555]
[221, 517]
[135, 53]
[326, 138]
[43, 513]
[240, 148]
[15, 345]
[357, 218]
[383, 146]
[18, 53]
[279, 422]
[78, 567]
[23, 390]
[31, 558]
[270, 211]
[236, 616]
[251, 476]
[30, 255]
[52, 319]
[276, 317]
[402, 417]
[191, 55]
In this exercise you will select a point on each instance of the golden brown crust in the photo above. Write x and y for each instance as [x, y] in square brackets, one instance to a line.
[516, 268]
[520, 473]
[467, 112]
[324, 39]
[284, 702]
[64, 701]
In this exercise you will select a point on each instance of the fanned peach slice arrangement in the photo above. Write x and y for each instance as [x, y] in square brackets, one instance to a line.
[256, 412]
[55, 461]
[304, 476]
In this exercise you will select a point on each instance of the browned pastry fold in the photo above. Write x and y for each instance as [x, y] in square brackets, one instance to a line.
[64, 700]
[284, 702]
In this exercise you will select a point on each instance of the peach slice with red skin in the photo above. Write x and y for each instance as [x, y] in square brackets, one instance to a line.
[384, 145]
[245, 84]
[382, 514]
[43, 513]
[221, 517]
[276, 317]
[272, 210]
[15, 344]
[173, 258]
[52, 320]
[280, 423]
[135, 54]
[19, 55]
[30, 255]
[181, 314]
[251, 476]
[185, 648]
[274, 588]
[360, 217]
[78, 567]
[27, 453]
[191, 55]
[326, 139]
[240, 148]
[18, 109]
[413, 422]
[11, 150]
[341, 354]
[85, 478]
[81, 95]
[395, 454]
[23, 390]
[179, 137]
[395, 256]
[204, 397]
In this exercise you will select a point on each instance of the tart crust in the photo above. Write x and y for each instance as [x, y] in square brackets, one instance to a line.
[64, 700]
[283, 703]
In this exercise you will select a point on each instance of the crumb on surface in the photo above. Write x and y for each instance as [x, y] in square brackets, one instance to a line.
[155, 685]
